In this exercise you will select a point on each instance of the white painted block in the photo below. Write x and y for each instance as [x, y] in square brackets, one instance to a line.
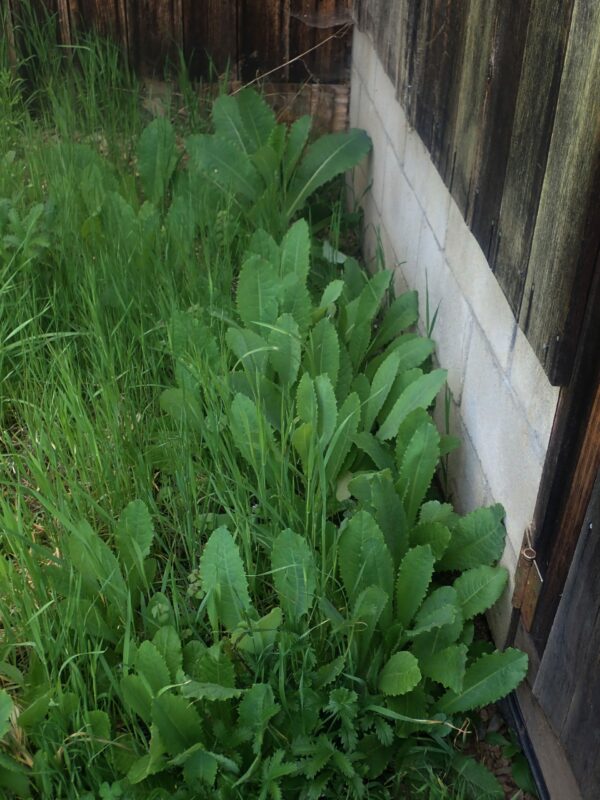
[532, 388]
[362, 52]
[390, 111]
[355, 91]
[452, 331]
[506, 445]
[402, 216]
[468, 485]
[479, 286]
[369, 121]
[372, 224]
[427, 184]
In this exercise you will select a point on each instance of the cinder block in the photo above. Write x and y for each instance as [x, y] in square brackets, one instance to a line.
[532, 388]
[505, 443]
[467, 482]
[427, 184]
[453, 323]
[390, 111]
[369, 121]
[402, 216]
[372, 224]
[479, 286]
[361, 52]
[355, 91]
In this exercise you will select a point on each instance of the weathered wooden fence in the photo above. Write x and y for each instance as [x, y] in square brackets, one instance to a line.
[506, 96]
[248, 36]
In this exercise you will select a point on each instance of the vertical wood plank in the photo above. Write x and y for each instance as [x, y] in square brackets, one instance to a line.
[152, 35]
[469, 110]
[537, 96]
[560, 265]
[504, 71]
[210, 36]
[568, 682]
[318, 29]
[263, 38]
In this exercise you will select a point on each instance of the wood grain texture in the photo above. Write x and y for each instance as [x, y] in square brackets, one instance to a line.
[502, 85]
[263, 38]
[555, 278]
[319, 30]
[210, 36]
[547, 34]
[468, 115]
[567, 685]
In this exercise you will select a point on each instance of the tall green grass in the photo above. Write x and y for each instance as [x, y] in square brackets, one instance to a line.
[82, 365]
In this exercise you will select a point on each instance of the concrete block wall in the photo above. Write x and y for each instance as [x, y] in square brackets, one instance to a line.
[502, 403]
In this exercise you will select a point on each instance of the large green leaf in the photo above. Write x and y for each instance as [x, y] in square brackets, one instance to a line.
[323, 351]
[436, 535]
[245, 119]
[418, 468]
[167, 642]
[157, 158]
[152, 667]
[178, 723]
[479, 588]
[478, 538]
[327, 408]
[363, 556]
[223, 580]
[348, 421]
[380, 388]
[284, 338]
[294, 573]
[445, 601]
[491, 677]
[377, 451]
[134, 535]
[400, 674]
[98, 565]
[252, 434]
[295, 251]
[295, 144]
[137, 695]
[414, 577]
[257, 293]
[327, 157]
[257, 707]
[378, 495]
[446, 666]
[418, 394]
[224, 165]
[402, 313]
[368, 608]
[6, 710]
[250, 348]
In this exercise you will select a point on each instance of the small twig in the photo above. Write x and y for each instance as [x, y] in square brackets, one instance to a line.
[338, 35]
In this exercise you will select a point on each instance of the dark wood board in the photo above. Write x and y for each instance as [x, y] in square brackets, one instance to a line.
[320, 32]
[567, 685]
[502, 84]
[210, 36]
[469, 102]
[547, 35]
[263, 39]
[557, 278]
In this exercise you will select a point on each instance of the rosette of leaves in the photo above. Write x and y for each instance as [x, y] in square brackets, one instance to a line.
[267, 170]
[307, 686]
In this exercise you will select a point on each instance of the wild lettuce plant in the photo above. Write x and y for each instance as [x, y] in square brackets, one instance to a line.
[349, 623]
